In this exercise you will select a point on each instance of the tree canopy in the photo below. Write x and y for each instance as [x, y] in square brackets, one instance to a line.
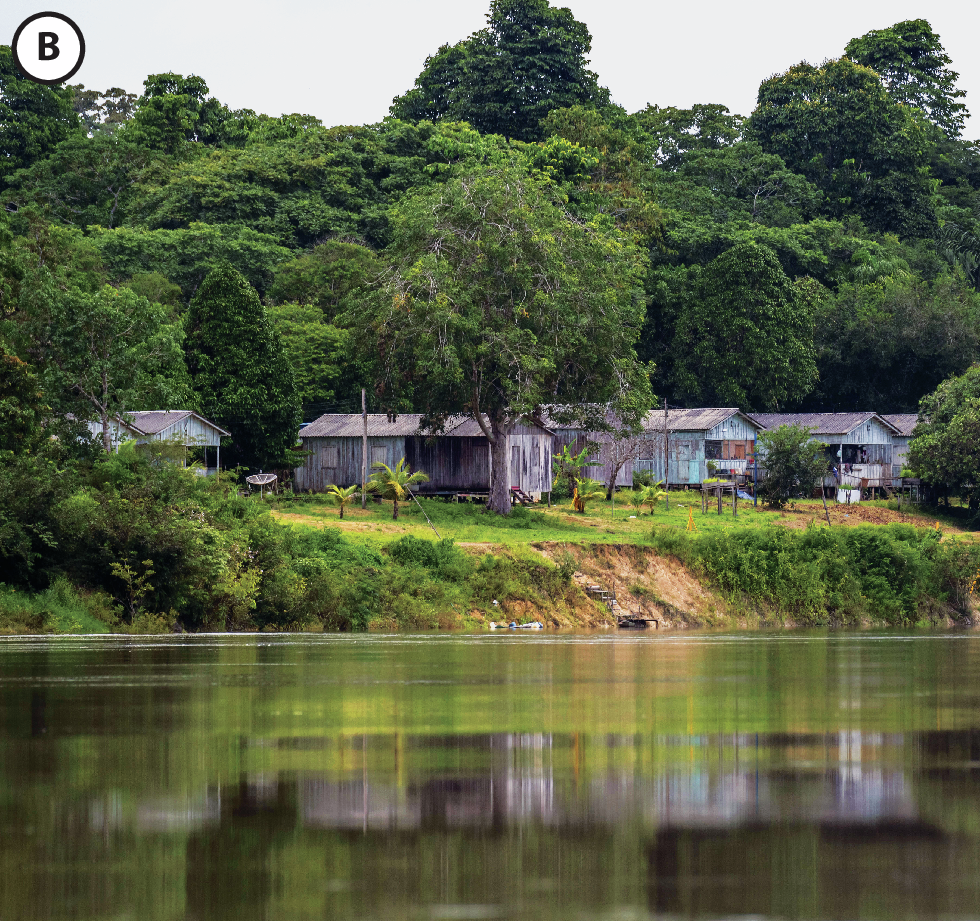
[529, 60]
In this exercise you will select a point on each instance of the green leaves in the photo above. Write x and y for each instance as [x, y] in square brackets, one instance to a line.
[794, 464]
[240, 371]
[744, 334]
[529, 60]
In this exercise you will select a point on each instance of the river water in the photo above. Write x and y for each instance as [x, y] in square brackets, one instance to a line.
[570, 776]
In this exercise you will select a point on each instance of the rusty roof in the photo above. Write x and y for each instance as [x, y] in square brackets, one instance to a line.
[904, 422]
[822, 423]
[380, 425]
[695, 420]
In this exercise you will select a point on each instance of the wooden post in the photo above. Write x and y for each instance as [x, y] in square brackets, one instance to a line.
[735, 501]
[364, 449]
[719, 499]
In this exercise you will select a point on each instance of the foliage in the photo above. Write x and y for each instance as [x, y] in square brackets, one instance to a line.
[33, 118]
[837, 125]
[500, 303]
[342, 496]
[327, 276]
[529, 60]
[394, 483]
[914, 68]
[239, 370]
[745, 335]
[567, 466]
[586, 490]
[945, 451]
[841, 575]
[794, 463]
[109, 353]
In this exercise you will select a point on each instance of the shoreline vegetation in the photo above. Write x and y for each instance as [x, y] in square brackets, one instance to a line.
[212, 560]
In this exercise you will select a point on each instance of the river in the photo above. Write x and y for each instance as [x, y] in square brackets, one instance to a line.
[532, 776]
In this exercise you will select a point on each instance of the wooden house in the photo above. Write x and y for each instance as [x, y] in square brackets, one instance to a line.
[859, 445]
[177, 426]
[456, 460]
[905, 424]
[724, 435]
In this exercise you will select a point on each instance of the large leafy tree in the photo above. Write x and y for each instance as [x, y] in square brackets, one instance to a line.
[837, 125]
[33, 118]
[945, 451]
[239, 370]
[530, 59]
[744, 335]
[108, 353]
[914, 68]
[499, 303]
[326, 276]
[794, 464]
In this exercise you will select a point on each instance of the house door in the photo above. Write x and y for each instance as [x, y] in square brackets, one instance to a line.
[683, 462]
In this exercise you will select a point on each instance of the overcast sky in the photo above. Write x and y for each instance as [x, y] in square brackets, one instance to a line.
[344, 61]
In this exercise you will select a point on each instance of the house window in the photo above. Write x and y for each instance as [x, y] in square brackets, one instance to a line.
[712, 450]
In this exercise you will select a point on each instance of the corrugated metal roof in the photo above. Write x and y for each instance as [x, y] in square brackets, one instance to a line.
[150, 422]
[695, 420]
[904, 422]
[820, 423]
[406, 425]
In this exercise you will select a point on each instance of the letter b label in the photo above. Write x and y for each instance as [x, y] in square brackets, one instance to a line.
[48, 48]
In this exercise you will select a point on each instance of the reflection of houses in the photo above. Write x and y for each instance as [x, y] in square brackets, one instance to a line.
[858, 444]
[174, 426]
[725, 436]
[456, 460]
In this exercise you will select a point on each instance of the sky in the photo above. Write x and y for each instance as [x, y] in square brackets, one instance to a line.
[344, 61]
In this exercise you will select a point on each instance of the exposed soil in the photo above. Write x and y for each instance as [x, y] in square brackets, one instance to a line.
[644, 583]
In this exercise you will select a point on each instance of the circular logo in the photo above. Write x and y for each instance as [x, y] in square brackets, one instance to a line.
[48, 48]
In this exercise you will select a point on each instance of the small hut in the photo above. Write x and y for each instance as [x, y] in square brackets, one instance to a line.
[177, 426]
[457, 460]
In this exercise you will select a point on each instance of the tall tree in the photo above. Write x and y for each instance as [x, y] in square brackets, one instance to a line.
[914, 67]
[946, 448]
[240, 371]
[109, 353]
[530, 59]
[33, 118]
[499, 303]
[745, 335]
[838, 126]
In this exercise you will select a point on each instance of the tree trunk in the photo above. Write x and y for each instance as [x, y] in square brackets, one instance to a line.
[341, 513]
[106, 440]
[500, 467]
[394, 513]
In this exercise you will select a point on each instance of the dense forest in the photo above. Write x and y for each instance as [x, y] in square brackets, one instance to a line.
[508, 235]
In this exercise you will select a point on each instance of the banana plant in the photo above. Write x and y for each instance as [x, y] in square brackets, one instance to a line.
[587, 489]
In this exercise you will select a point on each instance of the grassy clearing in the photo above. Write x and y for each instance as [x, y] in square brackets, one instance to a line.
[467, 524]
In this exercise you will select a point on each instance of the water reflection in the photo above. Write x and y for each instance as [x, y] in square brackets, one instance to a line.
[793, 778]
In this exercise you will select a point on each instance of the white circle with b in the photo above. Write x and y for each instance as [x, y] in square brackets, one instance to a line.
[48, 48]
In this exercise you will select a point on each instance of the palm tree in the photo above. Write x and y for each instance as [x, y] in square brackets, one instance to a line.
[394, 483]
[638, 498]
[653, 496]
[587, 489]
[341, 496]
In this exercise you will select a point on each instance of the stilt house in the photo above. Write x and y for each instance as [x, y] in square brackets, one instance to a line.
[905, 424]
[456, 461]
[724, 435]
[859, 445]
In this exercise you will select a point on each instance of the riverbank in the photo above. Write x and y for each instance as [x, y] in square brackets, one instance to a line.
[450, 566]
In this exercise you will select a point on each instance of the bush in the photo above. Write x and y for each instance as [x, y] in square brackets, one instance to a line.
[888, 572]
[793, 462]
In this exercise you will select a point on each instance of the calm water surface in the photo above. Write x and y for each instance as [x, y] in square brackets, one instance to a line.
[457, 777]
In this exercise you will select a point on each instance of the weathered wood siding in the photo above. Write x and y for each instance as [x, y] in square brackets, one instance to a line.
[452, 463]
[189, 431]
[337, 461]
[461, 464]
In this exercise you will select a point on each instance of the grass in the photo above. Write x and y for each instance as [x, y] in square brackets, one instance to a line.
[468, 524]
[59, 609]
